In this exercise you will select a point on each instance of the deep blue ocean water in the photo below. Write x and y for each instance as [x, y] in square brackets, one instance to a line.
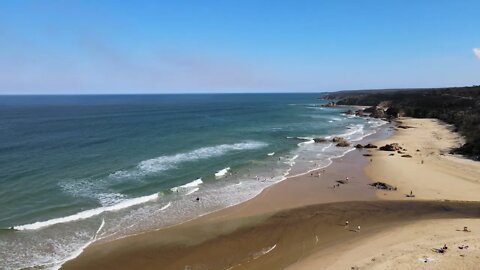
[75, 169]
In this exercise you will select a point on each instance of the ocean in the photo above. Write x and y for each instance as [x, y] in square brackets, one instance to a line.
[79, 169]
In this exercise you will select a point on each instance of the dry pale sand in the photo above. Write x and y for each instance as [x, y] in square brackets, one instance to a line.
[439, 177]
[408, 247]
[299, 223]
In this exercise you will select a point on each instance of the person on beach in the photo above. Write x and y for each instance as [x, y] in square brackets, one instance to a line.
[358, 228]
[346, 179]
[346, 224]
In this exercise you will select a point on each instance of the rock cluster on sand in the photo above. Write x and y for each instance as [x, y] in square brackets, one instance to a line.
[370, 146]
[391, 147]
[382, 185]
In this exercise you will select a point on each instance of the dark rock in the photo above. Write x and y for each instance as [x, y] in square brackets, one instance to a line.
[359, 113]
[407, 156]
[382, 185]
[343, 144]
[391, 147]
[370, 146]
[367, 155]
[359, 146]
[319, 140]
[392, 154]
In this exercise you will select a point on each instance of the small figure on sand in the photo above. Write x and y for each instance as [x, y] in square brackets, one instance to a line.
[346, 224]
[441, 250]
[411, 195]
[358, 228]
[465, 229]
[346, 179]
[198, 199]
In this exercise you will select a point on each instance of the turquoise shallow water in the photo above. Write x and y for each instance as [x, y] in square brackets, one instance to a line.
[74, 169]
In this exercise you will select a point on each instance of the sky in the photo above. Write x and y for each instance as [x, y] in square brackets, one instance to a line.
[115, 46]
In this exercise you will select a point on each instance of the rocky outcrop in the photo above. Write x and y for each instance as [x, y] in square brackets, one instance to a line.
[319, 140]
[359, 146]
[376, 112]
[391, 147]
[407, 156]
[359, 113]
[341, 142]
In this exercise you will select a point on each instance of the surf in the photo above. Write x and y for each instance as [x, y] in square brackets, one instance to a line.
[87, 213]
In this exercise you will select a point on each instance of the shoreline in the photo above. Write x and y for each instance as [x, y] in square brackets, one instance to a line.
[290, 198]
[249, 209]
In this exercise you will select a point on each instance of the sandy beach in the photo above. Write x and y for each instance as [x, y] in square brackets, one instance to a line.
[300, 222]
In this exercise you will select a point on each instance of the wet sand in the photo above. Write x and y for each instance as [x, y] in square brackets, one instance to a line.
[273, 242]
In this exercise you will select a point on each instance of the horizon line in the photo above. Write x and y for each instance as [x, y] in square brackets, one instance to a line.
[227, 93]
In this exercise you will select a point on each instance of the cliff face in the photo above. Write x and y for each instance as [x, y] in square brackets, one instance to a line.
[459, 106]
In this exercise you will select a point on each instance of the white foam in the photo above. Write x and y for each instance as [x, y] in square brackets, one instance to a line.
[88, 213]
[264, 251]
[222, 172]
[291, 161]
[188, 187]
[58, 265]
[166, 206]
[271, 154]
[164, 163]
[192, 191]
[92, 189]
[307, 142]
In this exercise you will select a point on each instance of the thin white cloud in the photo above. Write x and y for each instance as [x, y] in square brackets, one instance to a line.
[476, 51]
